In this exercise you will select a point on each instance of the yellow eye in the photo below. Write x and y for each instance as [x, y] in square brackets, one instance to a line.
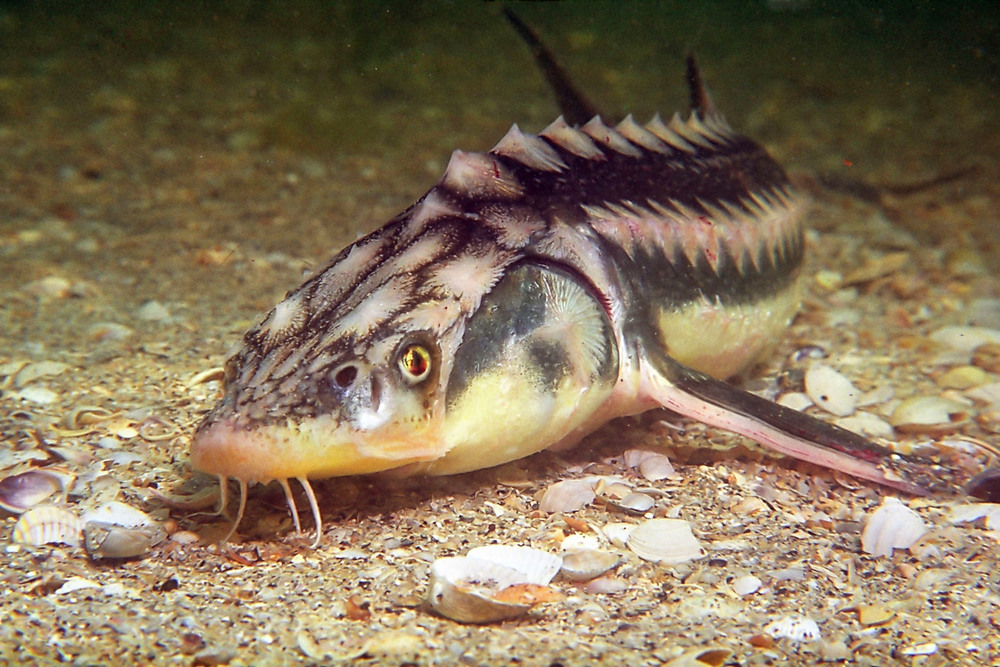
[415, 363]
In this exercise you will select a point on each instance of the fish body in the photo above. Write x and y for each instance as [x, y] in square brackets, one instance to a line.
[537, 291]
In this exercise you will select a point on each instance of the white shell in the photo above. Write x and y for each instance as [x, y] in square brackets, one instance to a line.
[965, 338]
[568, 496]
[747, 585]
[668, 541]
[795, 628]
[892, 526]
[831, 390]
[976, 511]
[119, 514]
[536, 566]
[653, 466]
[48, 525]
[618, 533]
[465, 588]
[588, 564]
[928, 414]
[118, 530]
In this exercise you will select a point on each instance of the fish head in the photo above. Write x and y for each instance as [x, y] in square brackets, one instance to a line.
[441, 352]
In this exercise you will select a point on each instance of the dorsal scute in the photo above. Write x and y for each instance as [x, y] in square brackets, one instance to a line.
[689, 132]
[571, 140]
[640, 136]
[529, 150]
[668, 135]
[609, 137]
[480, 175]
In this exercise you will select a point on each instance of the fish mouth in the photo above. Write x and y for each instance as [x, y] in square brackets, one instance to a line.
[232, 448]
[316, 448]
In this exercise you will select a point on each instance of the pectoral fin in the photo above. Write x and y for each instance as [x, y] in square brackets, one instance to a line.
[782, 429]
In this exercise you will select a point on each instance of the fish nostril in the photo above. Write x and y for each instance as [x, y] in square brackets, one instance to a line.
[345, 377]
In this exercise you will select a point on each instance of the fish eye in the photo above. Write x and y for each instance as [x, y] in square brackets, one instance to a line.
[415, 362]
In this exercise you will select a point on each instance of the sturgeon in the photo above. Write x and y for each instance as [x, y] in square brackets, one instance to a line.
[538, 290]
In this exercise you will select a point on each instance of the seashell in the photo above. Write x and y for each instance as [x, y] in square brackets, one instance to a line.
[119, 514]
[701, 657]
[796, 400]
[965, 338]
[107, 540]
[21, 492]
[747, 585]
[831, 390]
[656, 467]
[668, 541]
[48, 524]
[568, 496]
[795, 628]
[607, 585]
[478, 589]
[963, 377]
[618, 533]
[538, 567]
[985, 485]
[587, 564]
[929, 414]
[635, 503]
[118, 530]
[865, 423]
[39, 369]
[892, 526]
[653, 466]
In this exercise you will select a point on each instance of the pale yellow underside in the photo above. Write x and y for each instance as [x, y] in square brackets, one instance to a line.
[725, 341]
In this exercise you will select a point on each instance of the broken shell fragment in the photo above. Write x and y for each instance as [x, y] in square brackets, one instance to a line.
[797, 629]
[478, 589]
[21, 492]
[107, 540]
[668, 541]
[892, 526]
[48, 524]
[587, 564]
[118, 530]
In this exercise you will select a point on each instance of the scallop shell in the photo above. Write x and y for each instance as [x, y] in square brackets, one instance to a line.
[892, 526]
[48, 524]
[668, 541]
[536, 566]
[21, 492]
[478, 589]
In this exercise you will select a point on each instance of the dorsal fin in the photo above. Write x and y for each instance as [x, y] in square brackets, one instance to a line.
[576, 108]
[701, 99]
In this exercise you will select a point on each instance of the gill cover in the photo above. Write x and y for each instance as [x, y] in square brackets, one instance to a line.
[537, 359]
